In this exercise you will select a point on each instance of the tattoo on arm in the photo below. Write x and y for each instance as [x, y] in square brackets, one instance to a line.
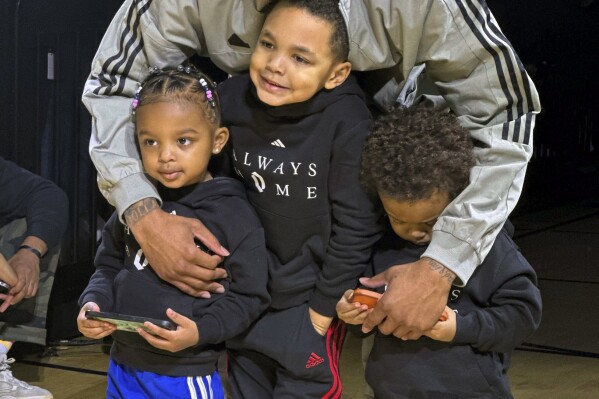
[140, 209]
[443, 271]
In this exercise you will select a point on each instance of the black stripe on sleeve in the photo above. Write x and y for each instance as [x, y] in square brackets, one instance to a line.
[488, 34]
[126, 54]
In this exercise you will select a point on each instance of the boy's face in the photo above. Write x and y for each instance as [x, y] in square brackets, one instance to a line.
[414, 221]
[293, 59]
[176, 142]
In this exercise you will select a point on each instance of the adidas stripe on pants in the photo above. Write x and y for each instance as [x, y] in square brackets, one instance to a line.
[282, 356]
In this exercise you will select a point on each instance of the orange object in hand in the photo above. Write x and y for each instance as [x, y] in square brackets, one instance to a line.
[366, 297]
[444, 316]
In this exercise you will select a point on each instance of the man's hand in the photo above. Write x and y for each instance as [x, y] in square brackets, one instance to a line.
[414, 300]
[26, 266]
[168, 243]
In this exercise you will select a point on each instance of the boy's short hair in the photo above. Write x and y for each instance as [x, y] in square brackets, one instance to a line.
[411, 153]
[327, 10]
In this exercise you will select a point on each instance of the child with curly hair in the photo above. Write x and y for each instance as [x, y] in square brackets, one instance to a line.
[418, 161]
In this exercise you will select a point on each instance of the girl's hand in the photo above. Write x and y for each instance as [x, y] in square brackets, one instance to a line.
[351, 312]
[185, 336]
[93, 328]
[444, 330]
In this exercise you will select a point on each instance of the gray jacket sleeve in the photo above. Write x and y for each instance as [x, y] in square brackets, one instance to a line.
[471, 63]
[475, 69]
[152, 33]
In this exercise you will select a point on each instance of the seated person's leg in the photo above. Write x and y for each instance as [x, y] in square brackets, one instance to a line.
[26, 320]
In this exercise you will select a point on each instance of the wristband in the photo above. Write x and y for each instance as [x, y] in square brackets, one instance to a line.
[31, 249]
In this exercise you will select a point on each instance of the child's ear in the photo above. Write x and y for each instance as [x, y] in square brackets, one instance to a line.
[340, 73]
[221, 136]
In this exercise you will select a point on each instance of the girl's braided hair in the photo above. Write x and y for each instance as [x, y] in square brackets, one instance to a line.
[184, 84]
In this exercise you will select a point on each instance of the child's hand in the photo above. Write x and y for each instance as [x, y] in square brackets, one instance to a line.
[319, 322]
[93, 328]
[351, 312]
[185, 336]
[444, 330]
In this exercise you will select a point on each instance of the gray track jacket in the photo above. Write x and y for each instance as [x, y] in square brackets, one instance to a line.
[471, 63]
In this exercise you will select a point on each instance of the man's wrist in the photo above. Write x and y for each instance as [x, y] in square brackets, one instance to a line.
[445, 273]
[141, 208]
[31, 249]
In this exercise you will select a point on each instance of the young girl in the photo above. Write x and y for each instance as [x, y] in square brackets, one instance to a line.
[298, 121]
[177, 115]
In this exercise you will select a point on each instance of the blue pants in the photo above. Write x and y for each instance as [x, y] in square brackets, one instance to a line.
[128, 383]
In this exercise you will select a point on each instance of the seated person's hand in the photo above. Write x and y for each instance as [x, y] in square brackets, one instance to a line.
[319, 322]
[444, 330]
[351, 312]
[186, 335]
[95, 329]
[26, 266]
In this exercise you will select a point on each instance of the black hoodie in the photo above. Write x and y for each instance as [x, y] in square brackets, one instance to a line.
[496, 311]
[300, 164]
[42, 203]
[122, 283]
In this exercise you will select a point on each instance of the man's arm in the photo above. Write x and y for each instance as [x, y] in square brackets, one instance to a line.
[44, 206]
[475, 69]
[133, 42]
[141, 35]
[485, 84]
[42, 203]
[145, 34]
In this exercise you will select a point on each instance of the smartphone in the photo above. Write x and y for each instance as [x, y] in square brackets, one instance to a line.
[366, 297]
[127, 322]
[203, 247]
[4, 287]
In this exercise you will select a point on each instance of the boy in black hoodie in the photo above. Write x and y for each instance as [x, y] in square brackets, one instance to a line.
[418, 161]
[178, 129]
[298, 121]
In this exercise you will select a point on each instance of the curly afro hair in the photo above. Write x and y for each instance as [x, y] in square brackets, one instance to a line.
[411, 153]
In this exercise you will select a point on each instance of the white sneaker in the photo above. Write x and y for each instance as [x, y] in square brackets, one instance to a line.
[12, 388]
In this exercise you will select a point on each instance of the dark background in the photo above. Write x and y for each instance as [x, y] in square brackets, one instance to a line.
[45, 128]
